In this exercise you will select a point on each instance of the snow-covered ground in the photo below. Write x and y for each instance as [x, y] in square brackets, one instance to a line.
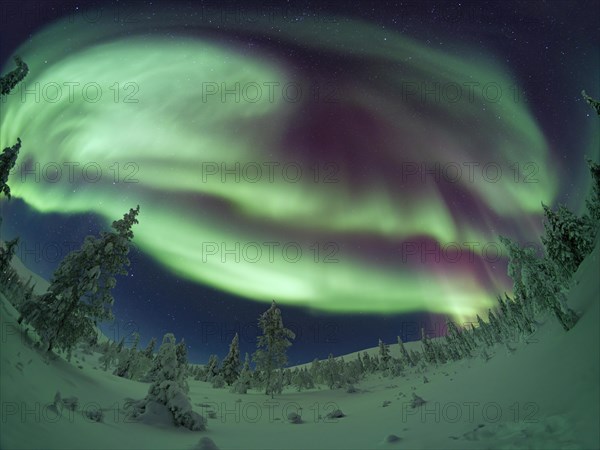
[543, 395]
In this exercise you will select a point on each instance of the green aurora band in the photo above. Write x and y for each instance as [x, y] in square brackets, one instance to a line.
[173, 133]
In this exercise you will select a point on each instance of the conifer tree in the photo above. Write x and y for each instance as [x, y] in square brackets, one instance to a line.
[212, 368]
[8, 159]
[272, 345]
[302, 380]
[593, 103]
[535, 280]
[384, 356]
[593, 200]
[231, 363]
[128, 359]
[109, 355]
[244, 380]
[80, 295]
[6, 256]
[568, 239]
[404, 355]
[170, 388]
[11, 79]
[315, 371]
[149, 350]
[9, 155]
[428, 350]
[331, 372]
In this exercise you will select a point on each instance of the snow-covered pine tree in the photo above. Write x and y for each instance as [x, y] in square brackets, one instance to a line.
[384, 356]
[302, 380]
[416, 356]
[109, 355]
[353, 371]
[368, 363]
[9, 81]
[494, 326]
[231, 363]
[6, 256]
[170, 388]
[332, 372]
[593, 103]
[315, 371]
[359, 361]
[9, 155]
[148, 352]
[212, 368]
[568, 239]
[593, 200]
[79, 295]
[538, 283]
[277, 382]
[517, 311]
[8, 159]
[404, 355]
[439, 350]
[182, 358]
[428, 350]
[483, 331]
[457, 346]
[218, 381]
[244, 380]
[287, 377]
[128, 358]
[271, 346]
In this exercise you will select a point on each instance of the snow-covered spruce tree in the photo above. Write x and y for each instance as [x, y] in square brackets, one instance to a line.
[133, 364]
[9, 81]
[593, 200]
[149, 350]
[384, 356]
[593, 103]
[287, 377]
[8, 159]
[404, 355]
[6, 256]
[79, 295]
[537, 283]
[272, 345]
[332, 372]
[483, 332]
[360, 363]
[212, 368]
[127, 358]
[416, 356]
[231, 363]
[518, 313]
[568, 239]
[109, 355]
[244, 380]
[302, 379]
[428, 350]
[440, 351]
[9, 155]
[353, 372]
[182, 358]
[169, 389]
[316, 372]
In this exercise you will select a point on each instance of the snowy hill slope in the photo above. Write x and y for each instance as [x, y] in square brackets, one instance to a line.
[544, 395]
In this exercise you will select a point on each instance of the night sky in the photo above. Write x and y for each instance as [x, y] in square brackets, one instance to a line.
[356, 164]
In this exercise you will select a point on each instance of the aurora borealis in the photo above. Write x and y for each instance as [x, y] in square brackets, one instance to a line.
[323, 163]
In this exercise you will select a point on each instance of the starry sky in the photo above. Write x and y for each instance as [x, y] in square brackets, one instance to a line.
[356, 164]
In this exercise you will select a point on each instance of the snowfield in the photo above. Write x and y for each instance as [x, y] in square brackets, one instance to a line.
[540, 394]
